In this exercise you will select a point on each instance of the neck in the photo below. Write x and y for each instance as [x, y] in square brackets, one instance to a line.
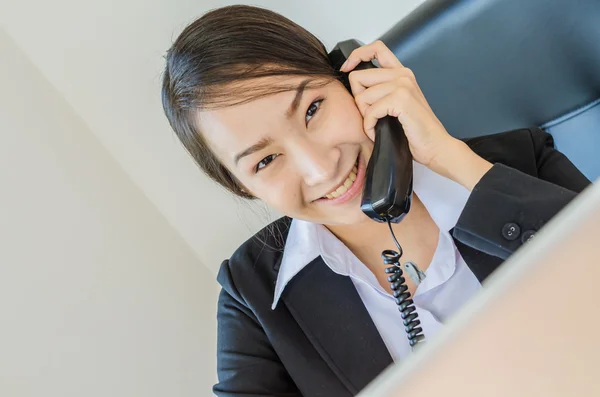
[417, 234]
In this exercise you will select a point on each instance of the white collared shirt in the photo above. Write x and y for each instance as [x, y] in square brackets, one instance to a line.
[449, 282]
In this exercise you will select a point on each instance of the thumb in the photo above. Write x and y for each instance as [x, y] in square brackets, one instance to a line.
[370, 132]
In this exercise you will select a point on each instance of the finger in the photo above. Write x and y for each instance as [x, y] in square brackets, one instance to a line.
[390, 105]
[360, 80]
[376, 50]
[363, 79]
[373, 94]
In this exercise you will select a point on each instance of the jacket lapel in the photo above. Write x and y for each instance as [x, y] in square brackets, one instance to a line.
[330, 312]
[332, 315]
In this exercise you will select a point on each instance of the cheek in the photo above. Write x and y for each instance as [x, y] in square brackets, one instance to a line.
[282, 193]
[347, 119]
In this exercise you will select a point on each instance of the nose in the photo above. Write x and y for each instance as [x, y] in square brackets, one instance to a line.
[315, 163]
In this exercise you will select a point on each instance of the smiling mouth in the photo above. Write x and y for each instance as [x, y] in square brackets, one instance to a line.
[347, 184]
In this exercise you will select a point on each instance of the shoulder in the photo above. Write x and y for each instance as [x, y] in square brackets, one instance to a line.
[518, 148]
[253, 267]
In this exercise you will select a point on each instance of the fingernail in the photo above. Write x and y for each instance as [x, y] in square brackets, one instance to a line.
[344, 65]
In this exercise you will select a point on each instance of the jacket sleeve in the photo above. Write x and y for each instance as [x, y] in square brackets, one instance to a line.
[507, 206]
[247, 365]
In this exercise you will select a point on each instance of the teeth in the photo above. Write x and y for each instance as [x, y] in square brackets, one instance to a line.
[346, 185]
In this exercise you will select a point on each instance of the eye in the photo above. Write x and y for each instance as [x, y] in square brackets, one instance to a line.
[264, 162]
[312, 109]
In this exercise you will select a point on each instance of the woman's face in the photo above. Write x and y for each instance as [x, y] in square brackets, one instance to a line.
[303, 152]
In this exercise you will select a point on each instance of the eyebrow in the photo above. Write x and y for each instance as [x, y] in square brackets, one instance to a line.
[264, 142]
[296, 102]
[258, 146]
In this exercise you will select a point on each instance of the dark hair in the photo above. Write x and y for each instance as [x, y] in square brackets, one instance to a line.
[212, 59]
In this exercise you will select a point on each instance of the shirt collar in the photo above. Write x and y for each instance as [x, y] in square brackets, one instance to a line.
[443, 198]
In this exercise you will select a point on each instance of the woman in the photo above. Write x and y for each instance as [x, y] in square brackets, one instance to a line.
[305, 307]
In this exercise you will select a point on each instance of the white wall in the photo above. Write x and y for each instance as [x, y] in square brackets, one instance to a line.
[99, 293]
[106, 58]
[99, 296]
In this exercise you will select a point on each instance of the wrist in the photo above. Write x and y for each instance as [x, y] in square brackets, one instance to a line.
[459, 163]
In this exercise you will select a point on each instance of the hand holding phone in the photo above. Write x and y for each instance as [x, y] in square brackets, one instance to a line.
[392, 89]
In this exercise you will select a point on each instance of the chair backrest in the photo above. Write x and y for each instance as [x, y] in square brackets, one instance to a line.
[488, 66]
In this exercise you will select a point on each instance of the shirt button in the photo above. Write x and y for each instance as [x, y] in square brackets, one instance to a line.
[527, 235]
[511, 231]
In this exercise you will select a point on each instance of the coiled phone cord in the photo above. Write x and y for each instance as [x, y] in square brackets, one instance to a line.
[402, 296]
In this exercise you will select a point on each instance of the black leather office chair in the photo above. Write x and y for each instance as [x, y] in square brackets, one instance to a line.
[488, 66]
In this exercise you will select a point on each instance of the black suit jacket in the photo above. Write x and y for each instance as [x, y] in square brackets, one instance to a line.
[320, 340]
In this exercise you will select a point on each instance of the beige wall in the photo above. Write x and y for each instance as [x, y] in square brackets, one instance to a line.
[99, 295]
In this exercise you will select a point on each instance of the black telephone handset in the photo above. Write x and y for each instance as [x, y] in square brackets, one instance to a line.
[387, 192]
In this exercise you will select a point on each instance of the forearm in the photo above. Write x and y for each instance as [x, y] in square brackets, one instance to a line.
[456, 161]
